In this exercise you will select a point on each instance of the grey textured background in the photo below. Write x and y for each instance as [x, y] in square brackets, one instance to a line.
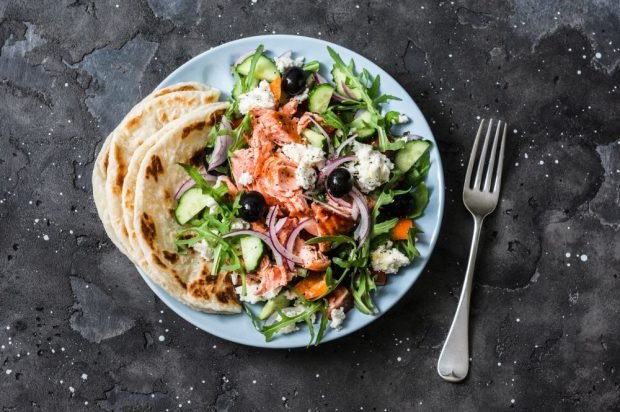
[80, 330]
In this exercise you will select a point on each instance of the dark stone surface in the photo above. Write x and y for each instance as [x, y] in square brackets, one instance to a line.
[80, 330]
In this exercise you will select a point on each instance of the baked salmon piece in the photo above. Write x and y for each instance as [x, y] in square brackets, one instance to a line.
[274, 126]
[271, 276]
[330, 223]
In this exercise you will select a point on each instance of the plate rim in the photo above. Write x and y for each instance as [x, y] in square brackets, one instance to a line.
[171, 303]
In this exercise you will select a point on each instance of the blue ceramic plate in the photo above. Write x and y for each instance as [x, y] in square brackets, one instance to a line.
[213, 67]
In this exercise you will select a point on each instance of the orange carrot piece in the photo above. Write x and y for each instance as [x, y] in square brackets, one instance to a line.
[312, 286]
[276, 88]
[401, 230]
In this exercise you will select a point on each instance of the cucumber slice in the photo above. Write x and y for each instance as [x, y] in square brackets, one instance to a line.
[190, 204]
[339, 78]
[410, 154]
[314, 138]
[252, 250]
[360, 123]
[319, 97]
[274, 304]
[265, 68]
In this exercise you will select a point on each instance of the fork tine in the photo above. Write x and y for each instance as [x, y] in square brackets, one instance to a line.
[492, 156]
[483, 157]
[472, 156]
[500, 163]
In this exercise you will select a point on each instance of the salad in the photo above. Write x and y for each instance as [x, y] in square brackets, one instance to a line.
[309, 196]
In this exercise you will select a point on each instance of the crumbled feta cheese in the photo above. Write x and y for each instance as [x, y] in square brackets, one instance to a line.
[338, 317]
[286, 61]
[305, 175]
[204, 249]
[402, 119]
[239, 224]
[234, 277]
[245, 179]
[371, 169]
[302, 96]
[252, 297]
[307, 158]
[387, 259]
[260, 97]
[299, 153]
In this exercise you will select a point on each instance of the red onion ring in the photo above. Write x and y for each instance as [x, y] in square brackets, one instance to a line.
[262, 237]
[225, 123]
[348, 92]
[290, 242]
[345, 144]
[220, 151]
[333, 164]
[281, 223]
[330, 147]
[328, 206]
[339, 98]
[409, 136]
[363, 228]
[244, 56]
[339, 201]
[271, 223]
[318, 79]
[186, 185]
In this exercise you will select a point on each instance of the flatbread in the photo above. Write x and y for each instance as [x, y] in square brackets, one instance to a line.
[101, 163]
[185, 277]
[129, 136]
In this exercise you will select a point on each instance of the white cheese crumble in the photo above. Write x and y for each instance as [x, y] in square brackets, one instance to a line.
[204, 249]
[302, 96]
[286, 61]
[260, 97]
[305, 176]
[371, 169]
[245, 179]
[402, 119]
[252, 297]
[338, 317]
[299, 153]
[239, 224]
[387, 259]
[307, 158]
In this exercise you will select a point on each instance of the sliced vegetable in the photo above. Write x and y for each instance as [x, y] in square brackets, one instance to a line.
[276, 88]
[277, 256]
[190, 204]
[401, 230]
[265, 68]
[314, 138]
[409, 155]
[319, 98]
[362, 123]
[312, 286]
[340, 79]
[220, 151]
[273, 305]
[252, 250]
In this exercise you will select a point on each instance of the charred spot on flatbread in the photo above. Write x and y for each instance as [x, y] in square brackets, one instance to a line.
[194, 126]
[155, 168]
[158, 261]
[197, 158]
[171, 256]
[148, 228]
[134, 122]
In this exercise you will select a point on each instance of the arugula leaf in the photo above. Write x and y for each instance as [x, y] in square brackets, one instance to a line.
[249, 80]
[336, 240]
[238, 138]
[312, 66]
[362, 285]
[420, 195]
[384, 227]
[216, 192]
[306, 315]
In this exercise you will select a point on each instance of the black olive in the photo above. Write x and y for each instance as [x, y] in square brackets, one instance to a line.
[253, 206]
[294, 80]
[402, 205]
[339, 182]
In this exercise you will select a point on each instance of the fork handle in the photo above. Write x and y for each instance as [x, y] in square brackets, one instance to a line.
[453, 363]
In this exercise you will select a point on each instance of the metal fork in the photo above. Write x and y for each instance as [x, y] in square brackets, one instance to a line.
[480, 200]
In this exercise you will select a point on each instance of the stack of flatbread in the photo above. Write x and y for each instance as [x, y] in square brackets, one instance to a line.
[135, 178]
